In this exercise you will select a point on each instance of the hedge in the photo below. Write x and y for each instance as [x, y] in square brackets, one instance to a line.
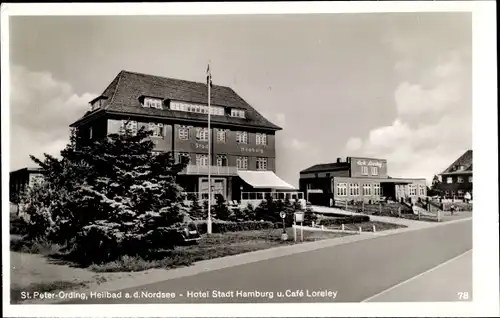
[462, 206]
[345, 220]
[222, 227]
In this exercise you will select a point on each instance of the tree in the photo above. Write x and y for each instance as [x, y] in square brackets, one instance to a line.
[435, 188]
[221, 210]
[196, 211]
[111, 197]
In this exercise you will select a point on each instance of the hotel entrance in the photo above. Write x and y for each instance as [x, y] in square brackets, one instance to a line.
[219, 186]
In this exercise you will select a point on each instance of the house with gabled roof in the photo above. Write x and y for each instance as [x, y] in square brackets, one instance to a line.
[456, 180]
[243, 154]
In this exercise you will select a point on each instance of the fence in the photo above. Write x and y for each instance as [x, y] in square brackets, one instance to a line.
[418, 211]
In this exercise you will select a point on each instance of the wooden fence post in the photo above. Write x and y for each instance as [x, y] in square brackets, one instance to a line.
[399, 211]
[380, 208]
[360, 230]
[363, 205]
[343, 228]
[346, 204]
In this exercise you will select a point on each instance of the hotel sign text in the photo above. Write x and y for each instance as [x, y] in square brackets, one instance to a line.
[369, 163]
[201, 146]
[252, 150]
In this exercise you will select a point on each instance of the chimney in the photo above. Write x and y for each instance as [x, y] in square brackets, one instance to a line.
[339, 160]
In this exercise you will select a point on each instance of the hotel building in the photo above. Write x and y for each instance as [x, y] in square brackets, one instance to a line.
[358, 179]
[243, 154]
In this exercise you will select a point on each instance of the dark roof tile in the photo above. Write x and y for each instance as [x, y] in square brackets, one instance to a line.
[464, 160]
[124, 91]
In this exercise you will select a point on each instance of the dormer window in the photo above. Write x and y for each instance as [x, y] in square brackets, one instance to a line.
[150, 102]
[96, 103]
[237, 113]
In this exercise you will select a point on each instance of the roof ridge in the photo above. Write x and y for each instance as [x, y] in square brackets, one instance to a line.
[172, 78]
[117, 85]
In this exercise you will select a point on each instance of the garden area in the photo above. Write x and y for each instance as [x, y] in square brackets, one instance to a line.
[112, 208]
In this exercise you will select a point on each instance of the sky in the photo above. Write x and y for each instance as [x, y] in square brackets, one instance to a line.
[396, 86]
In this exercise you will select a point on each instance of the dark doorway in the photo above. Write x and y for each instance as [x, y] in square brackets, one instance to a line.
[388, 190]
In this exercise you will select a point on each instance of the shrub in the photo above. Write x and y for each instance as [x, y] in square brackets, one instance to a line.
[18, 225]
[345, 220]
[221, 210]
[222, 227]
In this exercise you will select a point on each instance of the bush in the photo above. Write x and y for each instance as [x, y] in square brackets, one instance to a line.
[462, 206]
[345, 220]
[18, 225]
[223, 227]
[221, 210]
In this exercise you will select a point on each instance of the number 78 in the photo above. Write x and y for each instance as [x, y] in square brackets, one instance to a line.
[463, 295]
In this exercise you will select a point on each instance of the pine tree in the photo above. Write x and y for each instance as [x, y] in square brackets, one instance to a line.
[115, 196]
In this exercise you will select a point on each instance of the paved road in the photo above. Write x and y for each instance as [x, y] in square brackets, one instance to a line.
[451, 280]
[350, 272]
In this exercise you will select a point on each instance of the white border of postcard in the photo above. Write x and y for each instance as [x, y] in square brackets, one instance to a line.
[485, 226]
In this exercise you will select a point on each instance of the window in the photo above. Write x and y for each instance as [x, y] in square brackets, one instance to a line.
[367, 189]
[449, 180]
[197, 108]
[413, 189]
[460, 180]
[341, 189]
[422, 191]
[201, 160]
[237, 113]
[261, 139]
[447, 193]
[183, 133]
[364, 170]
[241, 137]
[354, 189]
[153, 103]
[460, 193]
[180, 155]
[95, 105]
[452, 193]
[470, 179]
[130, 125]
[242, 162]
[374, 171]
[157, 129]
[309, 186]
[221, 161]
[261, 163]
[202, 134]
[376, 189]
[221, 136]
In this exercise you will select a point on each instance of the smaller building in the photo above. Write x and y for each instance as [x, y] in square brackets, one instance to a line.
[21, 179]
[358, 179]
[456, 180]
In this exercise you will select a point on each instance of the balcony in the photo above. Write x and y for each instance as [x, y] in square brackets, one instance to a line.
[214, 170]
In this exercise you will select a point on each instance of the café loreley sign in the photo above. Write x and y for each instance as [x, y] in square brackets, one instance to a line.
[371, 163]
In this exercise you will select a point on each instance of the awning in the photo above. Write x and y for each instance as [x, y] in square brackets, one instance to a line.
[264, 180]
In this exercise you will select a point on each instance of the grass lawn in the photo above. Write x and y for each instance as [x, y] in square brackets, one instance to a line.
[214, 246]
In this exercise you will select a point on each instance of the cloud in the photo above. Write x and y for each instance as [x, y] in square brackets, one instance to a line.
[41, 109]
[433, 125]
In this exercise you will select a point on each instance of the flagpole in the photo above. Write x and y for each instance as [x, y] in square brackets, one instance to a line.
[209, 220]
